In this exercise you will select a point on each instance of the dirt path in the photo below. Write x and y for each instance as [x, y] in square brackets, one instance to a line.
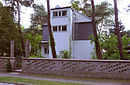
[67, 79]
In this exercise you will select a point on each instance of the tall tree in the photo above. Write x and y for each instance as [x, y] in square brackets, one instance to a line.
[102, 10]
[128, 8]
[19, 27]
[52, 42]
[34, 35]
[98, 51]
[40, 15]
[8, 29]
[118, 31]
[113, 29]
[15, 5]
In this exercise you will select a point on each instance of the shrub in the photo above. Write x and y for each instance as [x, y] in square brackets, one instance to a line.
[66, 54]
[8, 66]
[34, 56]
[109, 47]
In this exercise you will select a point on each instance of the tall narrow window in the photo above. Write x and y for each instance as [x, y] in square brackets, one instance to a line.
[59, 13]
[46, 50]
[64, 28]
[64, 13]
[55, 14]
[59, 28]
[54, 28]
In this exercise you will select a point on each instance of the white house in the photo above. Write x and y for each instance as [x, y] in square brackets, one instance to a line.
[71, 30]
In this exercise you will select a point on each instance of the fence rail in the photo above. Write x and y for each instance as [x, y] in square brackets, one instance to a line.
[3, 62]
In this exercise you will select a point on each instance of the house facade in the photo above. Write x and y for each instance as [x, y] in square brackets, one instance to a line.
[71, 31]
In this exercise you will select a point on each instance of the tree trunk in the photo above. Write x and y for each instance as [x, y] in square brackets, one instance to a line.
[118, 31]
[98, 51]
[52, 43]
[19, 28]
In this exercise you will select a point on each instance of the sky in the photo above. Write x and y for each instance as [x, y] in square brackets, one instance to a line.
[122, 4]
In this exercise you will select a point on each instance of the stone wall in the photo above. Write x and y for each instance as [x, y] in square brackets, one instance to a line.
[3, 62]
[114, 69]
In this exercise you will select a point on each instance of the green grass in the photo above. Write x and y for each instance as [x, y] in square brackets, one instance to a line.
[35, 82]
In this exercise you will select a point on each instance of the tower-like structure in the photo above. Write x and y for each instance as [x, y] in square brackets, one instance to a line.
[71, 30]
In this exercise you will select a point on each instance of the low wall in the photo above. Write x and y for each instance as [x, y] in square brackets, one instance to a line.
[114, 69]
[3, 62]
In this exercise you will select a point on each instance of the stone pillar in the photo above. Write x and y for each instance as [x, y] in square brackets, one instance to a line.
[12, 48]
[27, 48]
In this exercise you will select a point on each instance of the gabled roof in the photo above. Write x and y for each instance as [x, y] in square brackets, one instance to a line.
[79, 17]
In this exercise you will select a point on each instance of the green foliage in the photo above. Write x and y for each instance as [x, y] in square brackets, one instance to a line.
[34, 37]
[34, 33]
[18, 62]
[93, 55]
[66, 54]
[26, 3]
[35, 82]
[34, 56]
[40, 15]
[109, 46]
[102, 10]
[8, 66]
[8, 30]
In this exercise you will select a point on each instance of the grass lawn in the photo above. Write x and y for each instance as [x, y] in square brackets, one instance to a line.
[35, 82]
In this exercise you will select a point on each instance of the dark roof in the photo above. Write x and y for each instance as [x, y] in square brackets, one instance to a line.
[61, 8]
[44, 25]
[45, 33]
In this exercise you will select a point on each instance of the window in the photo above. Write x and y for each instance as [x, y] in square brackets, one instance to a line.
[46, 50]
[55, 28]
[64, 13]
[64, 28]
[55, 14]
[59, 28]
[59, 13]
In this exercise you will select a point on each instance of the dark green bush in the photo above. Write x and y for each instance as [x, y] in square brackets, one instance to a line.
[66, 54]
[109, 47]
[8, 66]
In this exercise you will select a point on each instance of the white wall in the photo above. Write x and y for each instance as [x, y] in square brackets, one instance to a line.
[82, 49]
[42, 52]
[62, 38]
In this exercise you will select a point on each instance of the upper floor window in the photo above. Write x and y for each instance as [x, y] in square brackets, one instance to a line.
[54, 28]
[64, 28]
[64, 13]
[55, 14]
[59, 28]
[59, 13]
